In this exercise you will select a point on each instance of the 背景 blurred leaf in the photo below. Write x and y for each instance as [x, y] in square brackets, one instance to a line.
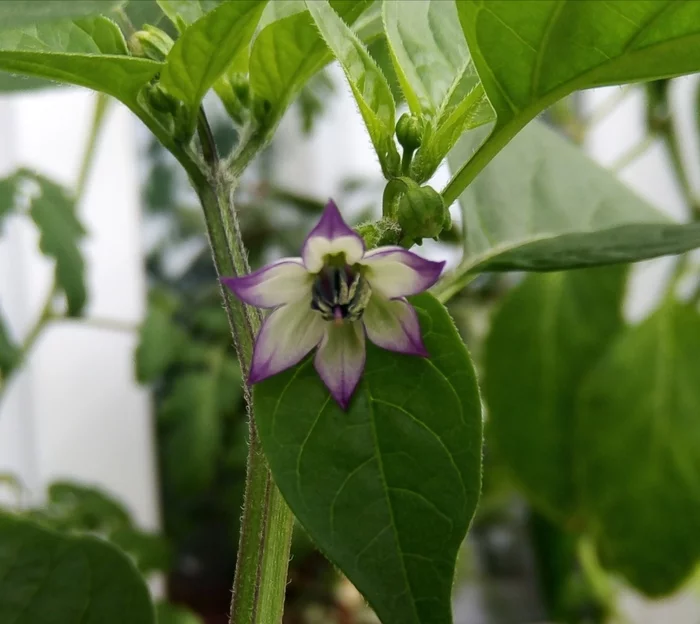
[206, 48]
[543, 205]
[189, 11]
[387, 488]
[638, 443]
[548, 333]
[192, 415]
[368, 84]
[167, 613]
[52, 208]
[161, 339]
[48, 577]
[17, 13]
[530, 54]
[80, 507]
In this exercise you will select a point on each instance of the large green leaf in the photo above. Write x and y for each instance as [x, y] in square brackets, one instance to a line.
[49, 578]
[437, 75]
[543, 205]
[289, 50]
[206, 48]
[550, 330]
[52, 209]
[428, 48]
[388, 488]
[88, 53]
[189, 11]
[14, 13]
[530, 54]
[639, 436]
[369, 86]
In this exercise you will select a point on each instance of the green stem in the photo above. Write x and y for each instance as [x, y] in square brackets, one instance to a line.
[98, 116]
[266, 526]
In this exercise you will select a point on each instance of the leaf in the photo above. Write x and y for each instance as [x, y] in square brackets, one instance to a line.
[49, 578]
[543, 205]
[428, 48]
[14, 13]
[52, 208]
[83, 53]
[150, 552]
[188, 10]
[206, 48]
[368, 84]
[548, 333]
[167, 613]
[530, 54]
[192, 415]
[640, 436]
[83, 508]
[388, 488]
[161, 340]
[437, 76]
[289, 50]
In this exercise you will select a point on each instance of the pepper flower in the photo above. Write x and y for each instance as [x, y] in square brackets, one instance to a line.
[333, 297]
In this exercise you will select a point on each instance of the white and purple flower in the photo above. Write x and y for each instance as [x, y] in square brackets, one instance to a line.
[331, 298]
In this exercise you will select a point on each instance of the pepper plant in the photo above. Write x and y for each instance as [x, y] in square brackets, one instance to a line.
[379, 459]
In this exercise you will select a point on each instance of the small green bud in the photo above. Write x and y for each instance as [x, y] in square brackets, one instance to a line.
[159, 100]
[421, 213]
[152, 43]
[409, 131]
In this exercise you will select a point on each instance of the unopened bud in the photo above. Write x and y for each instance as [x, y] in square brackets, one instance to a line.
[152, 43]
[422, 213]
[409, 131]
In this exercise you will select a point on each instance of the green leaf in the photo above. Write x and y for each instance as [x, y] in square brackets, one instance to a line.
[167, 613]
[548, 333]
[150, 552]
[437, 76]
[428, 48]
[48, 578]
[386, 489]
[368, 84]
[83, 508]
[543, 205]
[52, 208]
[192, 415]
[71, 53]
[10, 84]
[161, 339]
[189, 11]
[530, 54]
[640, 470]
[14, 13]
[289, 50]
[206, 48]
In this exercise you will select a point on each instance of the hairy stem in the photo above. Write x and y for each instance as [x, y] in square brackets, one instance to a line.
[266, 525]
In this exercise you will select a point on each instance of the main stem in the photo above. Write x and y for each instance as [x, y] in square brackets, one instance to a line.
[266, 526]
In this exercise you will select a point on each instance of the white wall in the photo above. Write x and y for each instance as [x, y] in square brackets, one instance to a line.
[75, 412]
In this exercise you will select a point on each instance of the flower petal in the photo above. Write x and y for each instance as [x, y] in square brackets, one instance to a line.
[275, 284]
[396, 272]
[393, 325]
[331, 236]
[340, 360]
[285, 337]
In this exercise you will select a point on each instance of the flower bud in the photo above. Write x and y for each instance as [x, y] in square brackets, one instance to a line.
[379, 233]
[152, 43]
[422, 213]
[159, 100]
[409, 131]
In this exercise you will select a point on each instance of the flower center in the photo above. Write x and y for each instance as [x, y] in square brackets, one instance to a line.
[340, 294]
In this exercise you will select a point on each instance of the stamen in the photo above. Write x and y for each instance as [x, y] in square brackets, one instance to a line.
[340, 294]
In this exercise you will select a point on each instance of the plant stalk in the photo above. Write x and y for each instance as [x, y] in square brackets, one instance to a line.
[266, 526]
